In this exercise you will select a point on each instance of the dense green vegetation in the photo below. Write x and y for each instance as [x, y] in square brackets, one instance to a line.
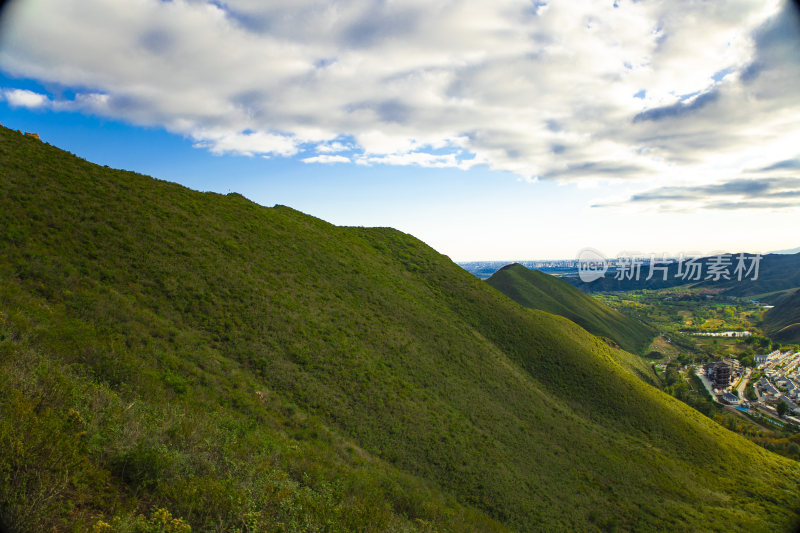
[245, 368]
[782, 322]
[538, 290]
[686, 319]
[687, 310]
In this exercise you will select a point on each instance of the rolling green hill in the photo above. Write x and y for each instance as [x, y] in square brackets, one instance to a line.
[782, 322]
[538, 290]
[256, 369]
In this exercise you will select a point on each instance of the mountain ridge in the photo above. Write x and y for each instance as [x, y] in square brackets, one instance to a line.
[542, 291]
[777, 272]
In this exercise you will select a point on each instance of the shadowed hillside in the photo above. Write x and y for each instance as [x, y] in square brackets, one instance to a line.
[242, 367]
[538, 290]
[782, 322]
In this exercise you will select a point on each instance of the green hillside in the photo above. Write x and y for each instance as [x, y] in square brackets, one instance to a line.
[782, 322]
[256, 369]
[538, 290]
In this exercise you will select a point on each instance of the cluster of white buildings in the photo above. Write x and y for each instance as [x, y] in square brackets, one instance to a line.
[780, 381]
[720, 333]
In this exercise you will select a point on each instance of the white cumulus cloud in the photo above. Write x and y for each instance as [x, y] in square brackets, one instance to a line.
[326, 159]
[682, 93]
[25, 98]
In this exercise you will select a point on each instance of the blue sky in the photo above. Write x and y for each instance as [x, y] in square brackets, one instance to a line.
[503, 130]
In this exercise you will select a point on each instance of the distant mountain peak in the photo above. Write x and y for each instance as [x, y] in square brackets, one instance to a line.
[787, 252]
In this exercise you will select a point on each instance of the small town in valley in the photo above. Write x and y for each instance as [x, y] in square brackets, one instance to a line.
[772, 388]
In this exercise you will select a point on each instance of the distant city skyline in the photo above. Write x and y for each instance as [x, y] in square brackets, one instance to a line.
[491, 131]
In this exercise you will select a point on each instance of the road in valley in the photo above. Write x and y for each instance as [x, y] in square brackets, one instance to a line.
[743, 384]
[700, 373]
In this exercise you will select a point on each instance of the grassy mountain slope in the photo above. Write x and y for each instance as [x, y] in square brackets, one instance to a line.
[538, 290]
[782, 322]
[260, 369]
[773, 297]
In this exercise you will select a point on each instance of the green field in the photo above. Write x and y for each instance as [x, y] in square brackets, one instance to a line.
[682, 315]
[256, 369]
